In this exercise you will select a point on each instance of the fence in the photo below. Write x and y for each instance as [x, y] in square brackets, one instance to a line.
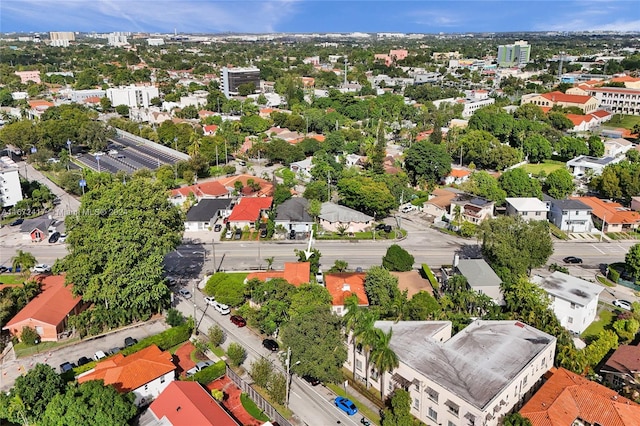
[262, 403]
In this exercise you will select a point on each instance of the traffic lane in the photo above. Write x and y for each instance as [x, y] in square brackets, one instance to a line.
[147, 150]
[316, 404]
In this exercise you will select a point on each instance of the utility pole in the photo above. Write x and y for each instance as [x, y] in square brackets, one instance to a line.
[604, 221]
[328, 187]
[288, 365]
[213, 248]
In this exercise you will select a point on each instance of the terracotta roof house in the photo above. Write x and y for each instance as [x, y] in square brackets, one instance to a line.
[622, 369]
[47, 313]
[440, 201]
[202, 190]
[456, 176]
[585, 103]
[265, 187]
[615, 216]
[295, 273]
[188, 404]
[146, 373]
[413, 282]
[210, 129]
[567, 399]
[341, 285]
[334, 216]
[617, 100]
[248, 211]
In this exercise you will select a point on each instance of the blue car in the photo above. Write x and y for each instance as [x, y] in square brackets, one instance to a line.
[346, 405]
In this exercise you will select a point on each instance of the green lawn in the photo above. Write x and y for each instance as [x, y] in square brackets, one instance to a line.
[547, 165]
[605, 319]
[252, 408]
[23, 350]
[363, 409]
[626, 121]
[11, 279]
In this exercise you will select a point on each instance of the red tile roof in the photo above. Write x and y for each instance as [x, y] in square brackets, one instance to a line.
[459, 173]
[566, 397]
[601, 113]
[204, 189]
[51, 306]
[624, 79]
[563, 97]
[249, 208]
[189, 404]
[266, 187]
[295, 273]
[616, 90]
[578, 119]
[211, 128]
[130, 372]
[344, 284]
[610, 212]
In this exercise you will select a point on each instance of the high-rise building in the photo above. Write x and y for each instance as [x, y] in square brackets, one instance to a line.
[516, 54]
[232, 78]
[10, 190]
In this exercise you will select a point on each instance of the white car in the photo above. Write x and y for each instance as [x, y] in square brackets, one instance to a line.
[222, 308]
[99, 355]
[184, 293]
[41, 268]
[63, 237]
[407, 208]
[622, 304]
[113, 152]
[210, 300]
[229, 234]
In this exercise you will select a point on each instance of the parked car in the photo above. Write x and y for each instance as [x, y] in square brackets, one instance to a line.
[184, 293]
[572, 259]
[83, 360]
[380, 226]
[190, 372]
[41, 268]
[17, 222]
[387, 228]
[99, 355]
[238, 234]
[204, 364]
[346, 405]
[3, 269]
[222, 308]
[113, 351]
[217, 227]
[238, 320]
[120, 156]
[407, 208]
[271, 344]
[130, 341]
[66, 366]
[209, 300]
[311, 380]
[263, 233]
[229, 234]
[292, 234]
[54, 237]
[63, 237]
[622, 304]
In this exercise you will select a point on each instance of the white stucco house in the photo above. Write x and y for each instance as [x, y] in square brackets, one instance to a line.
[334, 216]
[573, 300]
[584, 164]
[473, 378]
[528, 208]
[570, 215]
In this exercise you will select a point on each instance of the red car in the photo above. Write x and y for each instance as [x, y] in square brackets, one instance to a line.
[238, 320]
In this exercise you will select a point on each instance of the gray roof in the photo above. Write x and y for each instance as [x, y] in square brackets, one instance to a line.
[586, 159]
[478, 273]
[570, 205]
[294, 210]
[335, 213]
[476, 364]
[569, 288]
[42, 223]
[207, 208]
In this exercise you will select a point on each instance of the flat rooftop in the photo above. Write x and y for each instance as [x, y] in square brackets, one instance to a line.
[476, 364]
[569, 288]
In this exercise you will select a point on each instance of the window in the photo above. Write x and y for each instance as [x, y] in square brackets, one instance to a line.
[538, 213]
[358, 365]
[573, 306]
[374, 374]
[450, 423]
[433, 395]
[432, 414]
[564, 212]
[524, 381]
[416, 403]
[570, 320]
[162, 379]
[416, 387]
[146, 387]
[453, 407]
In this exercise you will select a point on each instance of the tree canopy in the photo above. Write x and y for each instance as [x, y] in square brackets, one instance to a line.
[427, 162]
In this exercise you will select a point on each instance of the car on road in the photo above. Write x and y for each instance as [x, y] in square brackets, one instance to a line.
[217, 227]
[271, 344]
[184, 293]
[238, 320]
[210, 300]
[17, 222]
[238, 234]
[54, 237]
[130, 341]
[66, 366]
[572, 259]
[345, 405]
[292, 234]
[622, 304]
[311, 380]
[83, 360]
[41, 268]
[113, 152]
[222, 308]
[120, 156]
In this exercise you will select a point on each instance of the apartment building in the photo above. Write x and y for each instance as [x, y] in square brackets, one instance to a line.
[232, 78]
[617, 100]
[475, 377]
[516, 54]
[10, 190]
[132, 96]
[27, 76]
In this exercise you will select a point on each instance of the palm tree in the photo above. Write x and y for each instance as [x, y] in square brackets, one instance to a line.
[269, 261]
[351, 320]
[25, 261]
[383, 357]
[457, 216]
[366, 336]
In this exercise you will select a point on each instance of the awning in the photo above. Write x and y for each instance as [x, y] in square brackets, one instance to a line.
[452, 405]
[401, 380]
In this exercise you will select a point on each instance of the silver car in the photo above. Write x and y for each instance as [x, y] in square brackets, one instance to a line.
[184, 293]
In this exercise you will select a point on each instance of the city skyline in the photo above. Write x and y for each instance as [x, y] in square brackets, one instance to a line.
[307, 16]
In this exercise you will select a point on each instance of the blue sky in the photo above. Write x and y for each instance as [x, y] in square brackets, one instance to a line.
[420, 16]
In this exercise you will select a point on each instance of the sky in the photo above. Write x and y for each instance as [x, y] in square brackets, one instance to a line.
[305, 16]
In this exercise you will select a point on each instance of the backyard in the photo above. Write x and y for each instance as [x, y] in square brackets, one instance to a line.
[547, 166]
[626, 121]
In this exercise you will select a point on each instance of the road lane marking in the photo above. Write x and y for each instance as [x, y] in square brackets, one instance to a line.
[595, 247]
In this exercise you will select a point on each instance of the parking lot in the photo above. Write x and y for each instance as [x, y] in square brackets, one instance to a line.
[127, 155]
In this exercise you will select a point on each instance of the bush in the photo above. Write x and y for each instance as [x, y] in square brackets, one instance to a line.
[429, 274]
[614, 275]
[29, 336]
[237, 354]
[209, 374]
[174, 317]
[165, 340]
[216, 335]
[397, 259]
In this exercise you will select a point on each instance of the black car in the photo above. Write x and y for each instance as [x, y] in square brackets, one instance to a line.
[292, 234]
[54, 237]
[217, 227]
[130, 341]
[387, 228]
[66, 366]
[311, 380]
[3, 269]
[572, 259]
[83, 360]
[17, 222]
[263, 233]
[271, 344]
[380, 226]
[238, 234]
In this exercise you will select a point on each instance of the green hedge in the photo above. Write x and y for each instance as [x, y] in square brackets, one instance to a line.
[165, 340]
[208, 374]
[614, 275]
[429, 274]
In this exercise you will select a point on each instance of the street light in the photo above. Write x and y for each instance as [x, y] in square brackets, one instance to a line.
[97, 157]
